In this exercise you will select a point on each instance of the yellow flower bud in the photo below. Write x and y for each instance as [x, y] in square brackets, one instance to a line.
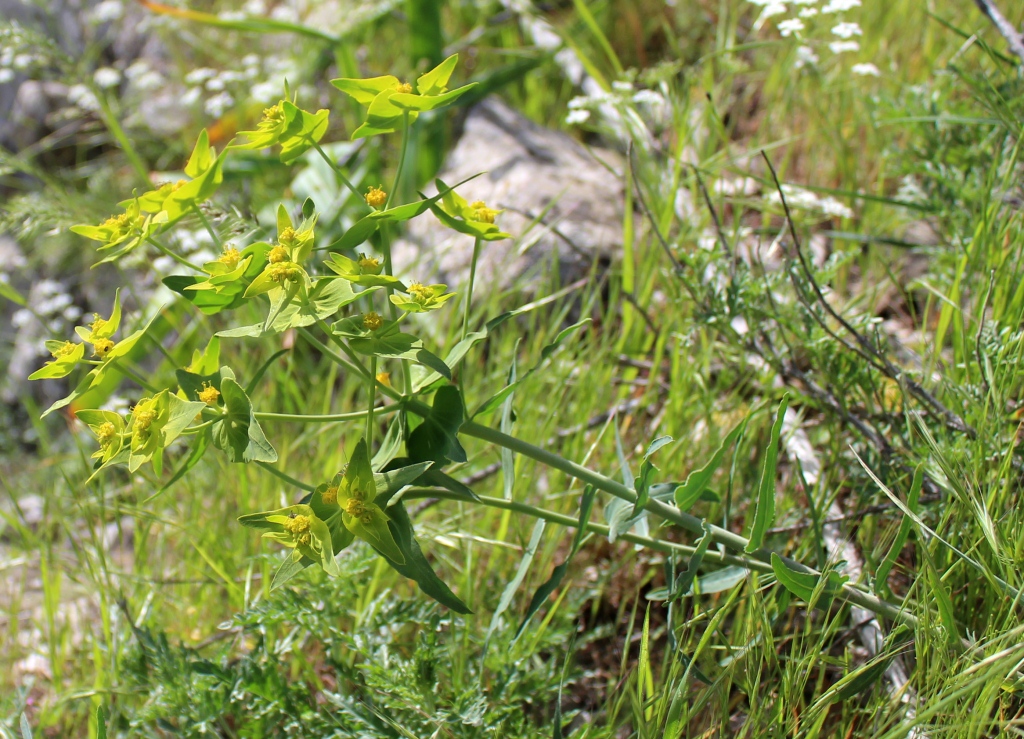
[209, 394]
[376, 197]
[384, 378]
[97, 323]
[101, 347]
[105, 434]
[403, 87]
[330, 495]
[372, 321]
[277, 254]
[63, 350]
[482, 213]
[230, 257]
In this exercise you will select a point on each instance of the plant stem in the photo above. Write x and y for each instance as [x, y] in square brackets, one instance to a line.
[327, 418]
[346, 364]
[114, 126]
[132, 376]
[401, 160]
[341, 175]
[206, 223]
[179, 259]
[597, 528]
[469, 291]
[672, 514]
[666, 512]
[372, 393]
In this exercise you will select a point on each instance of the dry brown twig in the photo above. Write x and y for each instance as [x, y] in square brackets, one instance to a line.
[1014, 38]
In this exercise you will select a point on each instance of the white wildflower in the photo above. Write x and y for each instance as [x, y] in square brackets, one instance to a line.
[22, 61]
[866, 70]
[790, 26]
[808, 12]
[82, 97]
[6, 75]
[622, 86]
[575, 117]
[255, 7]
[649, 97]
[285, 14]
[107, 11]
[840, 6]
[191, 97]
[266, 91]
[199, 76]
[847, 30]
[805, 57]
[106, 77]
[215, 84]
[773, 9]
[839, 47]
[217, 105]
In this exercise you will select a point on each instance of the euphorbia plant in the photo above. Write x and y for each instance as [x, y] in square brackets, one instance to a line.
[350, 304]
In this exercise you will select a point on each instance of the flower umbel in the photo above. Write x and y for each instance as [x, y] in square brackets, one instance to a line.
[376, 197]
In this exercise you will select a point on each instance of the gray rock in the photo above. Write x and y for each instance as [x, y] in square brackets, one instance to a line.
[532, 173]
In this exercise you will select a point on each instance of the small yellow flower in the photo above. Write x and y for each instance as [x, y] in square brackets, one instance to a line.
[97, 323]
[278, 254]
[105, 434]
[272, 116]
[368, 263]
[330, 495]
[178, 185]
[281, 271]
[482, 213]
[101, 347]
[143, 419]
[209, 394]
[376, 197]
[299, 528]
[403, 87]
[372, 321]
[384, 378]
[230, 257]
[63, 350]
[419, 292]
[287, 236]
[120, 225]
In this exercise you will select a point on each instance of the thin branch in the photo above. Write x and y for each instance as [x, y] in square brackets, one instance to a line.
[1014, 39]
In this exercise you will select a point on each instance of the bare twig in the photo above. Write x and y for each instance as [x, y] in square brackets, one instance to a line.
[1014, 38]
[867, 349]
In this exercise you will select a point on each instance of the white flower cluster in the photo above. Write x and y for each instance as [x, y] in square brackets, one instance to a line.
[650, 105]
[799, 198]
[20, 52]
[841, 37]
[220, 89]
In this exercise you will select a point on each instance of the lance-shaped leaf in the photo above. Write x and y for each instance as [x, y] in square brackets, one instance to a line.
[415, 565]
[558, 574]
[764, 513]
[807, 586]
[238, 433]
[363, 91]
[697, 481]
[642, 482]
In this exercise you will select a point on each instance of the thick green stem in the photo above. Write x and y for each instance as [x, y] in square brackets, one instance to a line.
[669, 513]
[341, 175]
[327, 418]
[597, 528]
[401, 160]
[469, 291]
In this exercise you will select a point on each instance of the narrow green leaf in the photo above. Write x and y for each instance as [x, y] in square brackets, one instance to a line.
[764, 513]
[8, 292]
[800, 584]
[697, 481]
[882, 574]
[642, 482]
[558, 573]
[513, 585]
[684, 583]
[416, 566]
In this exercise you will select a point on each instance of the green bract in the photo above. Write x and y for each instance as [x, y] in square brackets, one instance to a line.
[389, 101]
[422, 298]
[475, 219]
[121, 233]
[284, 124]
